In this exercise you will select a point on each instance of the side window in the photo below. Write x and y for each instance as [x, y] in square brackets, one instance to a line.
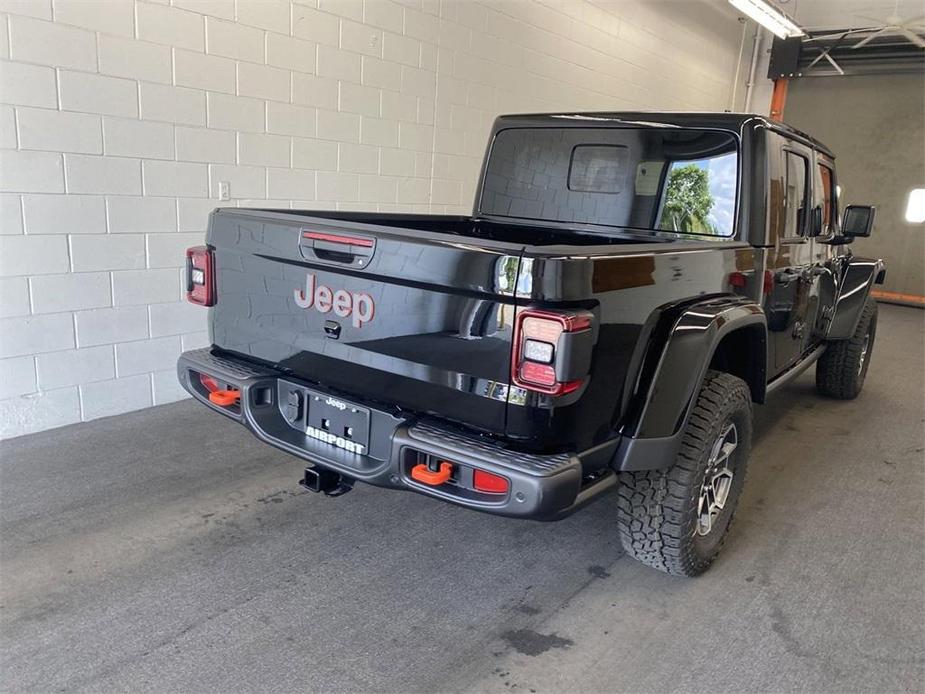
[699, 195]
[825, 180]
[795, 195]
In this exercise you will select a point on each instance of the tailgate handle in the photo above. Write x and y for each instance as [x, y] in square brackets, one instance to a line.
[345, 249]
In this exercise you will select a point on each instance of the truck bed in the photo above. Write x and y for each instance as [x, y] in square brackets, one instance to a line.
[523, 232]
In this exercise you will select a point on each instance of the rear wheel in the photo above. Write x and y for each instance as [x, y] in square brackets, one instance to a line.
[841, 370]
[677, 518]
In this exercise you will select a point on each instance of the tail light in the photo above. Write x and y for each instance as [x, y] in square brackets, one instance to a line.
[200, 276]
[552, 350]
[739, 280]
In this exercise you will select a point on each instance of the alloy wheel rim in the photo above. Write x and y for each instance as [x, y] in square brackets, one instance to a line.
[717, 480]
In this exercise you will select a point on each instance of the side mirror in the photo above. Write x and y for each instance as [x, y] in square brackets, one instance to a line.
[858, 220]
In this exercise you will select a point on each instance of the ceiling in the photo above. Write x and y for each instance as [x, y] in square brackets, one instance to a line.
[828, 50]
[843, 14]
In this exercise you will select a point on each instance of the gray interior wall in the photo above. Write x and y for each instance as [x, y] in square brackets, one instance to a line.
[876, 125]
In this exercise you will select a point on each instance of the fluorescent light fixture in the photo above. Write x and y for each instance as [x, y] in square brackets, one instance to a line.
[769, 17]
[915, 207]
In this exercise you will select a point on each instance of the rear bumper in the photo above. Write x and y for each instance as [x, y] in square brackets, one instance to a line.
[544, 487]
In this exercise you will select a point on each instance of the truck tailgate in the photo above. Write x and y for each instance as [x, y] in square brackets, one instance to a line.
[409, 318]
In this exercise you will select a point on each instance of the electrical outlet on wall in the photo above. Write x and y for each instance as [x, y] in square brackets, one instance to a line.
[224, 190]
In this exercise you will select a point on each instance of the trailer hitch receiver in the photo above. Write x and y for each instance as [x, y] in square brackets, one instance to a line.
[331, 483]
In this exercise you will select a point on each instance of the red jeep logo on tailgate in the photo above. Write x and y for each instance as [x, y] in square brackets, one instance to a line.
[360, 307]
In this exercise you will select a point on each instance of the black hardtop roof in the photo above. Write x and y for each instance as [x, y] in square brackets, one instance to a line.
[725, 121]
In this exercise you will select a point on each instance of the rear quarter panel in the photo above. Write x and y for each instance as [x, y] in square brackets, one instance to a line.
[632, 294]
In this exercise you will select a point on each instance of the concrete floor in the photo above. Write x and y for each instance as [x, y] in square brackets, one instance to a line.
[167, 550]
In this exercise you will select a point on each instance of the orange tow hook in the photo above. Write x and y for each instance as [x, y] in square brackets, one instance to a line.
[225, 398]
[424, 474]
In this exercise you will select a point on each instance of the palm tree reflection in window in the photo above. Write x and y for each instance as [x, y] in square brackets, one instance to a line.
[700, 196]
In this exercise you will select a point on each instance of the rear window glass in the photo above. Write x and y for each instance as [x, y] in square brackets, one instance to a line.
[664, 179]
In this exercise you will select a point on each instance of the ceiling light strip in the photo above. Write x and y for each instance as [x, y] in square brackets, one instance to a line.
[769, 17]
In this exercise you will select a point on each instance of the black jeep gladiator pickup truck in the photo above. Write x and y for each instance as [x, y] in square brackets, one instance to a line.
[628, 285]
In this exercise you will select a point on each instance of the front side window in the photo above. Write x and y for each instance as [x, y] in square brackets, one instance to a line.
[677, 180]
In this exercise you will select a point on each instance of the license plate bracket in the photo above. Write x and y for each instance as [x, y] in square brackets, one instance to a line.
[340, 418]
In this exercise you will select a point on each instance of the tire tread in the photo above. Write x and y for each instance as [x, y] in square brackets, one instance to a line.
[655, 507]
[837, 369]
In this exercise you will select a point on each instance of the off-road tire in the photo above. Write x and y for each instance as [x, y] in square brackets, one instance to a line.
[841, 370]
[657, 509]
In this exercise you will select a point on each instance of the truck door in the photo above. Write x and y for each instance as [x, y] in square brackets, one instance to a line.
[790, 303]
[826, 268]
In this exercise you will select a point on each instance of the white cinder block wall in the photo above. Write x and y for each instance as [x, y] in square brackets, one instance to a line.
[119, 120]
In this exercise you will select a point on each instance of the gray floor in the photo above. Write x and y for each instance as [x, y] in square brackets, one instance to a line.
[167, 550]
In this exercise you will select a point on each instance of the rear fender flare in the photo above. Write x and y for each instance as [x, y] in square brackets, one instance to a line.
[858, 278]
[685, 357]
